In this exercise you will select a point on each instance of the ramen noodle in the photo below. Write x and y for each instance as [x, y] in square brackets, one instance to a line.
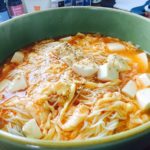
[75, 88]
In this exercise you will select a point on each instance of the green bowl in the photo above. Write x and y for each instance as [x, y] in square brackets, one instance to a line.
[26, 29]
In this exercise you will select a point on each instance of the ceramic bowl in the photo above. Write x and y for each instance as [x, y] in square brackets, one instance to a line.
[29, 28]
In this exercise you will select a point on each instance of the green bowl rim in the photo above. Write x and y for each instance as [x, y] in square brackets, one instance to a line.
[76, 143]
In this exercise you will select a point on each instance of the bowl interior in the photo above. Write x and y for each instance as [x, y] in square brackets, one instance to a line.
[26, 29]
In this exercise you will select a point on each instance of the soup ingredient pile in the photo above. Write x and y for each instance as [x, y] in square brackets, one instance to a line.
[75, 88]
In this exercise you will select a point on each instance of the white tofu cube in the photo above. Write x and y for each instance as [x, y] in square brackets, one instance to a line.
[4, 84]
[107, 72]
[19, 83]
[144, 59]
[145, 79]
[119, 62]
[130, 89]
[114, 47]
[143, 98]
[17, 58]
[85, 70]
[32, 130]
